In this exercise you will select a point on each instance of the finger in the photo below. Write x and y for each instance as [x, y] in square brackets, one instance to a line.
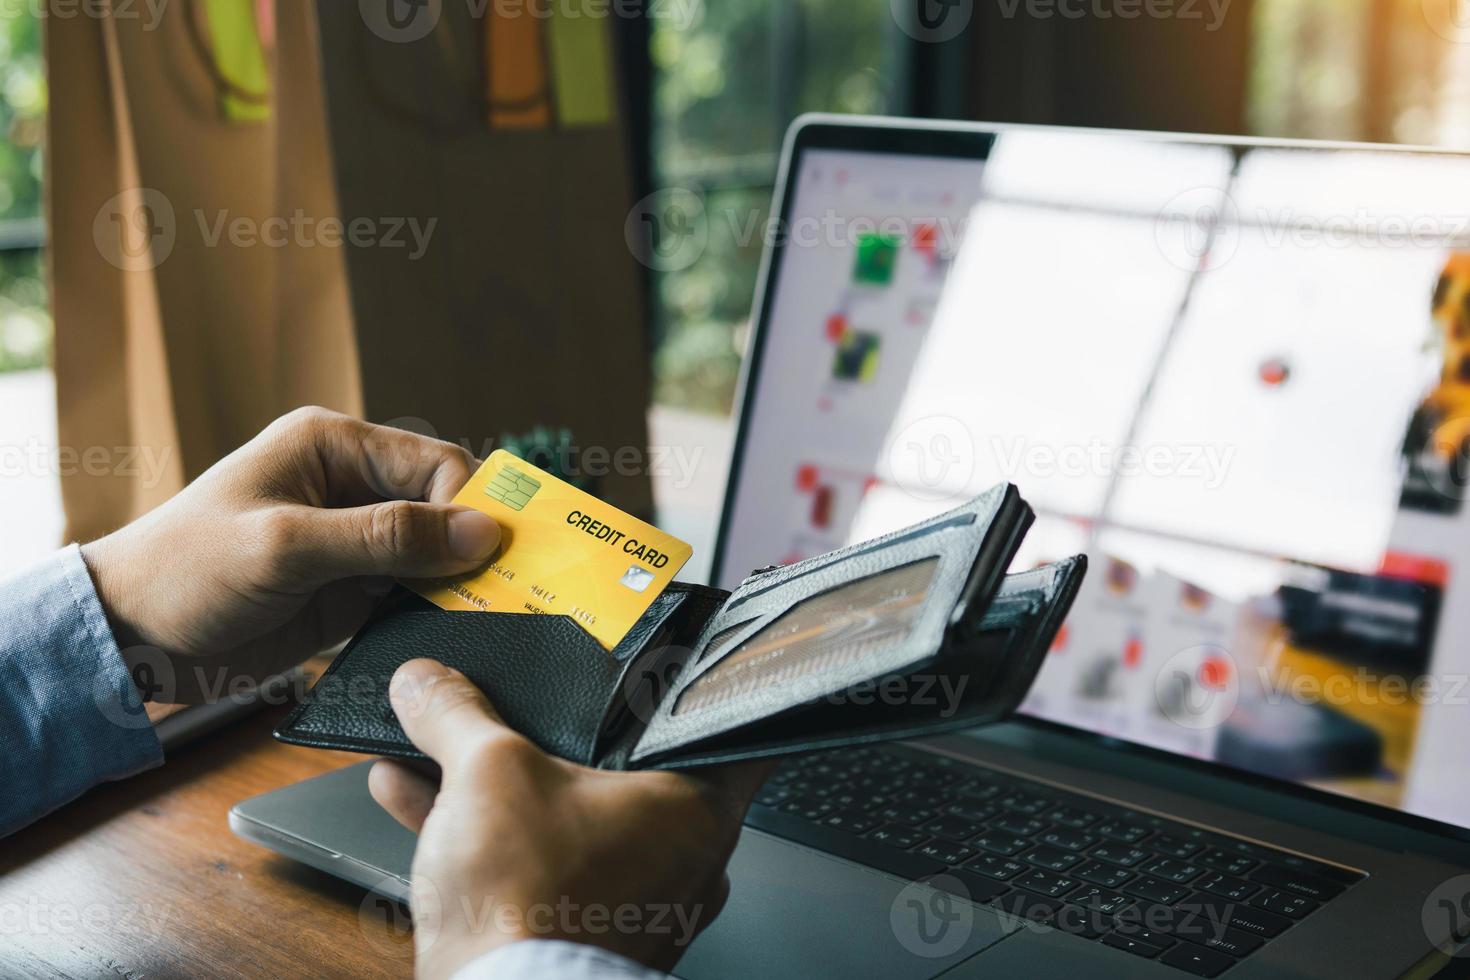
[405, 793]
[365, 462]
[398, 538]
[442, 712]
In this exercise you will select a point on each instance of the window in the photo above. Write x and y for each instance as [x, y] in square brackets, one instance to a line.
[725, 87]
[25, 326]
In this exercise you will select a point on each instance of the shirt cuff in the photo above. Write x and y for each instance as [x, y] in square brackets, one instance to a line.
[537, 958]
[70, 715]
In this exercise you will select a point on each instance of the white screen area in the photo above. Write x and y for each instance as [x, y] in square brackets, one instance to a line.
[1238, 378]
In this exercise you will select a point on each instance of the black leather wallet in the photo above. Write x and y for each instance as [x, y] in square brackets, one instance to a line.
[913, 633]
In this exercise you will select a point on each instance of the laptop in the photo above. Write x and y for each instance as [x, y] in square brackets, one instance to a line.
[1237, 374]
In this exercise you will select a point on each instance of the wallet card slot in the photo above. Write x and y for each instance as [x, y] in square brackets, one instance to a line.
[547, 677]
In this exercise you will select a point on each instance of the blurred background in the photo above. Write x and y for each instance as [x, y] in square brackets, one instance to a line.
[707, 94]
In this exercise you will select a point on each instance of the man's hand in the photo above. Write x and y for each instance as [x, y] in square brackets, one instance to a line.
[520, 845]
[277, 551]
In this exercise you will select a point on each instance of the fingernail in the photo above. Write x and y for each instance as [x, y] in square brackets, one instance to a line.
[473, 536]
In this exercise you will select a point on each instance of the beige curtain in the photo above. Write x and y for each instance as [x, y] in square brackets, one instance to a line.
[172, 345]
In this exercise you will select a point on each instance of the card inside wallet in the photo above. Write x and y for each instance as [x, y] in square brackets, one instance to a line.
[913, 633]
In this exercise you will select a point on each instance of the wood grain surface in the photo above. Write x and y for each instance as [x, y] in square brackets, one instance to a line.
[142, 878]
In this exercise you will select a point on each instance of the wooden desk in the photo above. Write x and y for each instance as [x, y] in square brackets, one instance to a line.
[143, 878]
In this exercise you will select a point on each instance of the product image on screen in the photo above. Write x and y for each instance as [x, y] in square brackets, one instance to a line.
[1236, 376]
[848, 623]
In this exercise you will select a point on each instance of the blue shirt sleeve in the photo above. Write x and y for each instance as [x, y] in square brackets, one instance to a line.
[532, 959]
[70, 716]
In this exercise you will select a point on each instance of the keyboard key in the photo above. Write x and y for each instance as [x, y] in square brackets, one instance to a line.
[1070, 816]
[1100, 900]
[1197, 960]
[1227, 887]
[1174, 846]
[1156, 891]
[1228, 862]
[806, 807]
[972, 888]
[1026, 803]
[1052, 859]
[1001, 844]
[911, 816]
[895, 835]
[955, 828]
[1067, 838]
[1136, 946]
[772, 796]
[853, 823]
[1025, 905]
[1257, 922]
[1130, 925]
[1123, 856]
[1045, 883]
[970, 808]
[1077, 920]
[1123, 831]
[995, 866]
[1021, 826]
[1291, 906]
[1297, 882]
[1173, 870]
[946, 851]
[1234, 942]
[1105, 875]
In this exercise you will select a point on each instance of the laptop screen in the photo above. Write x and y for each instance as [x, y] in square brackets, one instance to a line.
[1238, 377]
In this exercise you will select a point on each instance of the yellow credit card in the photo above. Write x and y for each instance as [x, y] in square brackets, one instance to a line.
[561, 551]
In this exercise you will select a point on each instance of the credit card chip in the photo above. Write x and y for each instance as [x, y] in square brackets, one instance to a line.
[512, 488]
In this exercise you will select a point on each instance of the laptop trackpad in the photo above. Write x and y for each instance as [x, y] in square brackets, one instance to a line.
[796, 913]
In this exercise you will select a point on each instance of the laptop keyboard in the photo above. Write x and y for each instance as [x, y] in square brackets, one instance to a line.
[1192, 899]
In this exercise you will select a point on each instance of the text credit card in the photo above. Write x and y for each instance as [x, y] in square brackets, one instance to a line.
[561, 551]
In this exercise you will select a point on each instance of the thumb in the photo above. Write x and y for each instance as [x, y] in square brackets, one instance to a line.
[400, 538]
[442, 712]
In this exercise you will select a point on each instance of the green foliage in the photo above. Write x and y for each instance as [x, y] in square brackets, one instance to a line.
[25, 324]
[724, 91]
